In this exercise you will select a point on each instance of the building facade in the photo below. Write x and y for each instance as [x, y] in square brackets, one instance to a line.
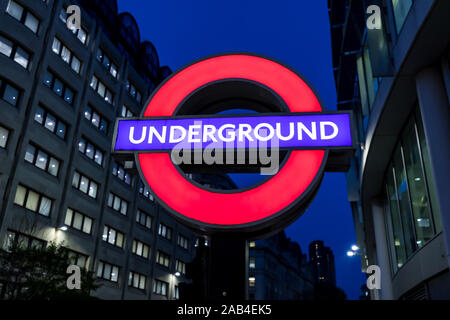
[391, 66]
[321, 261]
[278, 270]
[60, 92]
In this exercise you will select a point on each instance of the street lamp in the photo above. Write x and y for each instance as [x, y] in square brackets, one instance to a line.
[354, 251]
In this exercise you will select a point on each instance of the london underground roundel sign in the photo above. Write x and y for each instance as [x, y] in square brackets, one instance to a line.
[174, 119]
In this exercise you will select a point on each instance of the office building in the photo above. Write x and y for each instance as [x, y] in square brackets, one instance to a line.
[60, 92]
[391, 68]
[321, 261]
[278, 270]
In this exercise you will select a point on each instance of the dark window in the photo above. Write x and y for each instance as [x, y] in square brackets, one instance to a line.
[50, 122]
[58, 87]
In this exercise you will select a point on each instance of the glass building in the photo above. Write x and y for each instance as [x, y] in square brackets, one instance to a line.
[394, 75]
[61, 90]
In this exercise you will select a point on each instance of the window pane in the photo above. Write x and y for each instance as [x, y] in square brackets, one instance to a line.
[96, 120]
[395, 224]
[101, 89]
[110, 200]
[39, 116]
[11, 95]
[99, 55]
[93, 190]
[77, 221]
[41, 160]
[45, 206]
[106, 62]
[20, 195]
[113, 71]
[32, 201]
[56, 46]
[82, 36]
[119, 240]
[58, 87]
[22, 57]
[98, 157]
[68, 220]
[87, 225]
[5, 46]
[116, 203]
[136, 281]
[90, 151]
[14, 10]
[76, 179]
[88, 113]
[103, 126]
[32, 22]
[4, 133]
[123, 207]
[401, 9]
[115, 274]
[53, 167]
[428, 172]
[76, 64]
[142, 281]
[403, 197]
[416, 182]
[107, 271]
[48, 79]
[94, 82]
[68, 96]
[84, 183]
[82, 145]
[61, 130]
[108, 97]
[50, 122]
[111, 236]
[65, 54]
[100, 269]
[29, 153]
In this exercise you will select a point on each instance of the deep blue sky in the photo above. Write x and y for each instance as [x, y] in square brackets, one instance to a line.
[293, 31]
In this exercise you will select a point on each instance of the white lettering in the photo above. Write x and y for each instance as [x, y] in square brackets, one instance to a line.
[131, 136]
[323, 136]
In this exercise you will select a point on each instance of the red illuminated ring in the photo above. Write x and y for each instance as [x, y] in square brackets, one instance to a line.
[270, 199]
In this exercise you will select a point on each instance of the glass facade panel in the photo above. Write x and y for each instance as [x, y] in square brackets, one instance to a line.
[417, 189]
[400, 9]
[412, 216]
[404, 202]
[428, 172]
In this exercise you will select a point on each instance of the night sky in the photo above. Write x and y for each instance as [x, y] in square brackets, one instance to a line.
[295, 32]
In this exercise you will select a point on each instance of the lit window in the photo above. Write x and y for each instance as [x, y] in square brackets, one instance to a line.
[252, 264]
[113, 236]
[4, 134]
[108, 271]
[78, 221]
[140, 249]
[137, 280]
[33, 201]
[24, 16]
[117, 204]
[251, 281]
[85, 185]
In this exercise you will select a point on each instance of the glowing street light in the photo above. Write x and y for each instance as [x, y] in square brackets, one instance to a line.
[354, 251]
